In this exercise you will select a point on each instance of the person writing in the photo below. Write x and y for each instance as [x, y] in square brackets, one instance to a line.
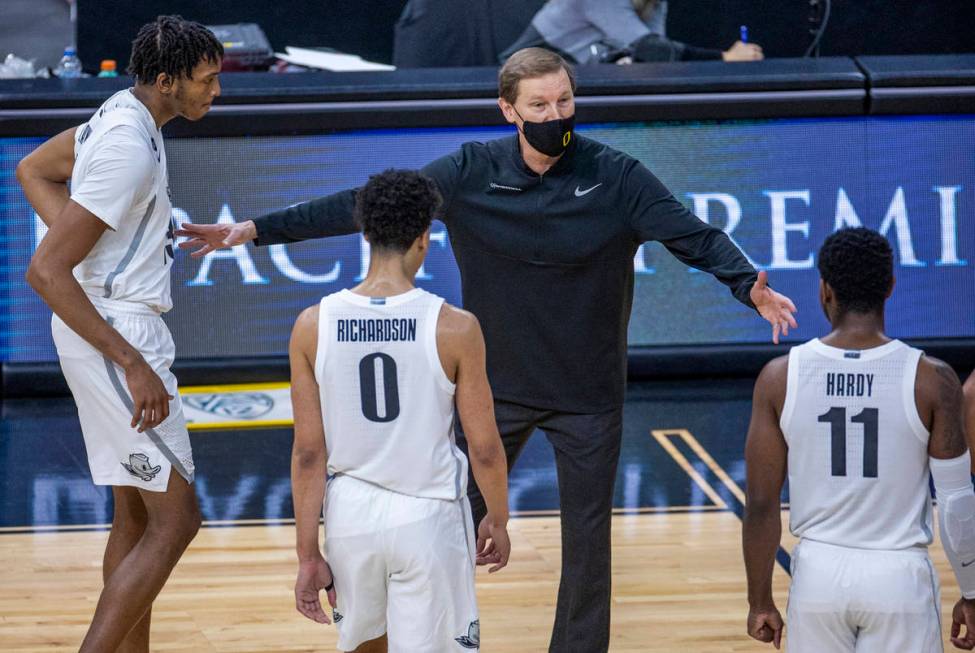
[616, 31]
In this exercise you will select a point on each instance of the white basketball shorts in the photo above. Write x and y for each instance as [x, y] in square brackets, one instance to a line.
[403, 565]
[117, 453]
[862, 600]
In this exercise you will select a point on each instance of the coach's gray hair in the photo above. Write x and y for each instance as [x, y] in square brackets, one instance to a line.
[530, 63]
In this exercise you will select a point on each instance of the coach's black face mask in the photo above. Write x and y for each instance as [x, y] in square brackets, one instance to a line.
[551, 137]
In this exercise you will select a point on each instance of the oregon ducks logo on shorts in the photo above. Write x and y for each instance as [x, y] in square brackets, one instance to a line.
[336, 616]
[473, 637]
[140, 467]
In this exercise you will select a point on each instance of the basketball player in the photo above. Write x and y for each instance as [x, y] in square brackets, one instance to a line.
[115, 232]
[385, 364]
[860, 421]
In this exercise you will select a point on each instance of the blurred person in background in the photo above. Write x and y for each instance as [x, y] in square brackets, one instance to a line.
[616, 31]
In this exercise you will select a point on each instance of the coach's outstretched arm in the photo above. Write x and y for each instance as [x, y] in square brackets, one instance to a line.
[327, 216]
[308, 469]
[939, 399]
[459, 338]
[766, 458]
[655, 215]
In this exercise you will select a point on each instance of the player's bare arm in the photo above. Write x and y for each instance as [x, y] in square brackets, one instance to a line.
[69, 240]
[766, 456]
[462, 353]
[44, 175]
[308, 470]
[938, 395]
[940, 402]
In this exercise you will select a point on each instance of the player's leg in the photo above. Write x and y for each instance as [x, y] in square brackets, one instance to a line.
[516, 423]
[432, 603]
[173, 520]
[587, 450]
[128, 524]
[129, 461]
[378, 645]
[898, 604]
[818, 617]
[354, 548]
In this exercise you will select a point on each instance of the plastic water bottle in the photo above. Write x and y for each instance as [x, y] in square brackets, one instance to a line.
[108, 68]
[70, 67]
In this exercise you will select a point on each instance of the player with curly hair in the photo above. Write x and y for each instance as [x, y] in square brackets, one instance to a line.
[104, 269]
[375, 374]
[859, 422]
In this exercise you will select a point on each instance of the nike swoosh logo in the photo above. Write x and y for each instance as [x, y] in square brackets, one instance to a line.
[580, 193]
[965, 564]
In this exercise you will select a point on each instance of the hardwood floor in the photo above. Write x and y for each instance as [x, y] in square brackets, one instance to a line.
[678, 585]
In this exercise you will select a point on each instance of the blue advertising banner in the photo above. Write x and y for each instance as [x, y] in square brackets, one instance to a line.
[777, 187]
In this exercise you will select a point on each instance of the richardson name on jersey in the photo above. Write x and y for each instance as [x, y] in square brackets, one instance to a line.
[378, 330]
[839, 384]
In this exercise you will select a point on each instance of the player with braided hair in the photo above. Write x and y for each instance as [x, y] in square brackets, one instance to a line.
[172, 46]
[104, 269]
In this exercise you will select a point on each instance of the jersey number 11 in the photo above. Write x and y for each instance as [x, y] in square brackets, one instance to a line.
[836, 418]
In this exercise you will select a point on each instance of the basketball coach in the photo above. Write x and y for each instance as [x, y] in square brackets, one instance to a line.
[544, 225]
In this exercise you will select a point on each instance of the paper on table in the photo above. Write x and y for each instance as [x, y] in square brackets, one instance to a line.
[335, 61]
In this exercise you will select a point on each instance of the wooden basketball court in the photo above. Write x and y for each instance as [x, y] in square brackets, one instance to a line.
[678, 585]
[678, 576]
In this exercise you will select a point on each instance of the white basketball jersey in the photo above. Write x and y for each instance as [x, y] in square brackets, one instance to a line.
[120, 176]
[387, 405]
[858, 451]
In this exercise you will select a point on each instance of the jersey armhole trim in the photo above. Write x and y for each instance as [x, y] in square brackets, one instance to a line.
[910, 404]
[791, 392]
[433, 352]
[322, 339]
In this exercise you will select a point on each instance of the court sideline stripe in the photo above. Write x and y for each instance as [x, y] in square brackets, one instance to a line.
[738, 507]
[289, 521]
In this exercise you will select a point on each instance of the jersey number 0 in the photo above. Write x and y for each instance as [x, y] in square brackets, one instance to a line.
[836, 418]
[369, 388]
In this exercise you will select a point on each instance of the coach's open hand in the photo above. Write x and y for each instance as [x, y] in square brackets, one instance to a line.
[205, 238]
[314, 576]
[774, 307]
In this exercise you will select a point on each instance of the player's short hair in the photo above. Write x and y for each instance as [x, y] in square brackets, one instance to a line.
[395, 207]
[858, 264]
[530, 63]
[173, 46]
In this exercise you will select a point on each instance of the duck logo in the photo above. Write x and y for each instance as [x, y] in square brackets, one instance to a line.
[140, 467]
[472, 639]
[336, 616]
[239, 405]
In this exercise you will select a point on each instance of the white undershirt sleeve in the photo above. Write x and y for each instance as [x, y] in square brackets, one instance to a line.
[956, 517]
